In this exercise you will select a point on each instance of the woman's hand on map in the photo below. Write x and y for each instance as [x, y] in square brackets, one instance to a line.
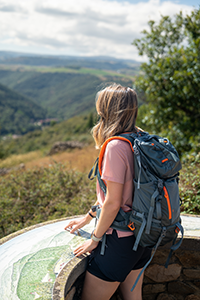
[88, 246]
[76, 224]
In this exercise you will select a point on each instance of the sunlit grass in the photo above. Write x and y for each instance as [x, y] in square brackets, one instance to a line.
[79, 159]
[17, 159]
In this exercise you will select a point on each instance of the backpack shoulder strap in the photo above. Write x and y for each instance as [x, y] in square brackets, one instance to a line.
[123, 137]
[96, 170]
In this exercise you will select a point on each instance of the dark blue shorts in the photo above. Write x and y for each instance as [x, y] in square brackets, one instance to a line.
[119, 258]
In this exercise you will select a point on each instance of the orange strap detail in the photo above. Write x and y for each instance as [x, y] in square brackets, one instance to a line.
[164, 160]
[103, 149]
[131, 225]
[168, 202]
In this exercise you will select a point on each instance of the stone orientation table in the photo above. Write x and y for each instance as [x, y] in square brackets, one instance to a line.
[38, 263]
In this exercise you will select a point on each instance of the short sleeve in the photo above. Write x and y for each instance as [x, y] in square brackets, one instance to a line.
[114, 165]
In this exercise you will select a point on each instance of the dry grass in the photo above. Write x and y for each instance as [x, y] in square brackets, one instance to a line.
[17, 159]
[78, 159]
[81, 160]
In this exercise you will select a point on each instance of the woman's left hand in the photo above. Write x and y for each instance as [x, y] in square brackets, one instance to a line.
[88, 246]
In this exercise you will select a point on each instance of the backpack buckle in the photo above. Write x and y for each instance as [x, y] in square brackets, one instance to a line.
[131, 226]
[177, 230]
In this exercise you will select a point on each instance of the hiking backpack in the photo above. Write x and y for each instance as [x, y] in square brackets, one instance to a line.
[155, 216]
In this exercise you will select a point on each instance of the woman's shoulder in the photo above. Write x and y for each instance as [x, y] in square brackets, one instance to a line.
[117, 144]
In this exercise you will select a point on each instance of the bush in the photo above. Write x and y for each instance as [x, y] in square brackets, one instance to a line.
[39, 195]
[190, 185]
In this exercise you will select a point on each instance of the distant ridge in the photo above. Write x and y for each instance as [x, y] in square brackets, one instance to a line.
[97, 62]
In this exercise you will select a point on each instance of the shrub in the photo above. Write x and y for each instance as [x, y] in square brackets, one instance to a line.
[42, 194]
[190, 185]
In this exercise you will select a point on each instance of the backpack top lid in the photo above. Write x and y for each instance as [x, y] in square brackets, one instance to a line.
[157, 154]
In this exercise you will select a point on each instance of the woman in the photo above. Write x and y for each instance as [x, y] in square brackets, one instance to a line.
[119, 266]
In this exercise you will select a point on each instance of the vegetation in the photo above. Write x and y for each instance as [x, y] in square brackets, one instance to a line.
[171, 79]
[190, 185]
[35, 196]
[17, 112]
[42, 194]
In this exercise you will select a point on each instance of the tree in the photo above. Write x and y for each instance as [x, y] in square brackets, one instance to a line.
[171, 77]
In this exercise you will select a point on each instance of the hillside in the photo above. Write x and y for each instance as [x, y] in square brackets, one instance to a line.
[17, 112]
[62, 92]
[76, 129]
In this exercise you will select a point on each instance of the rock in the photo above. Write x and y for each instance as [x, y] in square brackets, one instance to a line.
[192, 297]
[179, 297]
[161, 257]
[160, 274]
[62, 146]
[188, 259]
[197, 283]
[4, 171]
[22, 166]
[181, 287]
[166, 297]
[149, 297]
[153, 288]
[192, 273]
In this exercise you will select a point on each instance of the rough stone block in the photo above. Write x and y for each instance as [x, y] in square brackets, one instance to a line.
[147, 280]
[154, 288]
[166, 297]
[181, 287]
[189, 259]
[192, 297]
[161, 257]
[197, 283]
[192, 273]
[160, 274]
[179, 297]
[149, 297]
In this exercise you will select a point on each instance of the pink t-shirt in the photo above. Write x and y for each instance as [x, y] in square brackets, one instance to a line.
[117, 166]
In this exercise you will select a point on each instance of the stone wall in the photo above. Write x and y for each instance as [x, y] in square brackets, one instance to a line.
[180, 281]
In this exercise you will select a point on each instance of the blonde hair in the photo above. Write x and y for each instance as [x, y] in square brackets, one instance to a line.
[117, 107]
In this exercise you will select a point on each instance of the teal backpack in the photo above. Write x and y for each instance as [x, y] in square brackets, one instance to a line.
[155, 216]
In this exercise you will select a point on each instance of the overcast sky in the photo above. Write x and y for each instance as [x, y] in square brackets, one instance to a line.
[81, 27]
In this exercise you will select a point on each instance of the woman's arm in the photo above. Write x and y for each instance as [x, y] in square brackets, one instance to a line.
[74, 225]
[110, 207]
[109, 211]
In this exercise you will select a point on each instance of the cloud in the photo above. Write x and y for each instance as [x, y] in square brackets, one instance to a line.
[79, 27]
[8, 8]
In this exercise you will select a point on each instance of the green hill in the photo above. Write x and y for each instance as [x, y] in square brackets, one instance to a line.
[17, 112]
[63, 92]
